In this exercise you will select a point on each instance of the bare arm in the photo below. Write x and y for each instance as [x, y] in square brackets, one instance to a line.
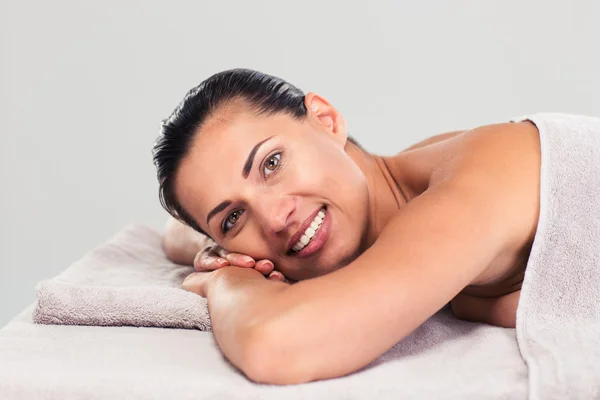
[237, 298]
[336, 324]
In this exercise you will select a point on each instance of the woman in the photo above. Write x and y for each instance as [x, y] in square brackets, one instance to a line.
[377, 244]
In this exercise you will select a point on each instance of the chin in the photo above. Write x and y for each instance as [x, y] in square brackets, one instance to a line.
[333, 256]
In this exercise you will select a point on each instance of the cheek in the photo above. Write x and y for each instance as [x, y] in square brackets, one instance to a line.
[327, 172]
[347, 186]
[249, 242]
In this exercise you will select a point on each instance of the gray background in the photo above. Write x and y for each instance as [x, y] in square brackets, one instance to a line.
[84, 85]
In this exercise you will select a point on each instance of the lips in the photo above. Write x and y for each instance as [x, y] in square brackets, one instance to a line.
[301, 230]
[318, 240]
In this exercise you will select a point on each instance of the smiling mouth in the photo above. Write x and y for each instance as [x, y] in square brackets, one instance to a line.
[309, 233]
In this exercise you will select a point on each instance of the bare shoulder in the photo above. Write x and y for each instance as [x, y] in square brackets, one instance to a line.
[480, 207]
[502, 160]
[500, 147]
[497, 168]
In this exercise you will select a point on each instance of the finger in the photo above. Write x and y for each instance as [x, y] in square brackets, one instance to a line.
[239, 260]
[208, 261]
[276, 276]
[265, 267]
[218, 250]
[235, 259]
[204, 258]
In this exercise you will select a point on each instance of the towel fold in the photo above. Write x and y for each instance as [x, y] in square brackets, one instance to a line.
[127, 281]
[69, 304]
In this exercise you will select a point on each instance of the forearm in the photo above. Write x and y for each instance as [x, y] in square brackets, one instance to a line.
[282, 334]
[239, 300]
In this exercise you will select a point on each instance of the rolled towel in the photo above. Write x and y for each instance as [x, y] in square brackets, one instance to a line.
[127, 281]
[69, 304]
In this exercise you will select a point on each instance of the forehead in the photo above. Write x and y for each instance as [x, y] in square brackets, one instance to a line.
[212, 170]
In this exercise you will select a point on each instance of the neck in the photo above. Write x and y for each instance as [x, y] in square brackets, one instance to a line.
[387, 193]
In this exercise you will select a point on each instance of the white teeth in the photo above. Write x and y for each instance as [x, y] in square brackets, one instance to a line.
[310, 232]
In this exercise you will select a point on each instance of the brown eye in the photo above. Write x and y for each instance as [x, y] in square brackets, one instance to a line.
[272, 163]
[231, 220]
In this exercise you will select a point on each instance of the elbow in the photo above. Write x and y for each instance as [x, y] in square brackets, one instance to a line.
[170, 248]
[269, 358]
[167, 242]
[176, 243]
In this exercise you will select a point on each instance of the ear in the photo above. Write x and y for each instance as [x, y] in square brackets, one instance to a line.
[326, 116]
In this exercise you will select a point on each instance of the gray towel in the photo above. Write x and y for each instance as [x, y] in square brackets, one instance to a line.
[127, 281]
[558, 318]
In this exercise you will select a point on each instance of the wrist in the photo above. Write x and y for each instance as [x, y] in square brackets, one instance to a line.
[230, 275]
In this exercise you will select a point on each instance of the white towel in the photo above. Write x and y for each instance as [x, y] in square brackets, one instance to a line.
[558, 317]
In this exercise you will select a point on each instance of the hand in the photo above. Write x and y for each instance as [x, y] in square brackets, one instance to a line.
[198, 282]
[214, 257]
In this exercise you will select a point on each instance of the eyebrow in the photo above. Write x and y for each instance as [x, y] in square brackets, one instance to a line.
[245, 172]
[223, 205]
[250, 160]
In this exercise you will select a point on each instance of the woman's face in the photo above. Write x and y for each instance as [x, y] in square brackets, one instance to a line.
[255, 183]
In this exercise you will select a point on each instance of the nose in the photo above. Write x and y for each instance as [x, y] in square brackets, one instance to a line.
[273, 212]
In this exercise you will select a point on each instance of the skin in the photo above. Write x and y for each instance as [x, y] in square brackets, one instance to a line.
[451, 219]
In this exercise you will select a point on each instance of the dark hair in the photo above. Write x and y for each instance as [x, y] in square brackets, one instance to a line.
[264, 94]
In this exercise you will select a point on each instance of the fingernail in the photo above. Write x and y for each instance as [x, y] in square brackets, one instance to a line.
[248, 259]
[222, 262]
[270, 264]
